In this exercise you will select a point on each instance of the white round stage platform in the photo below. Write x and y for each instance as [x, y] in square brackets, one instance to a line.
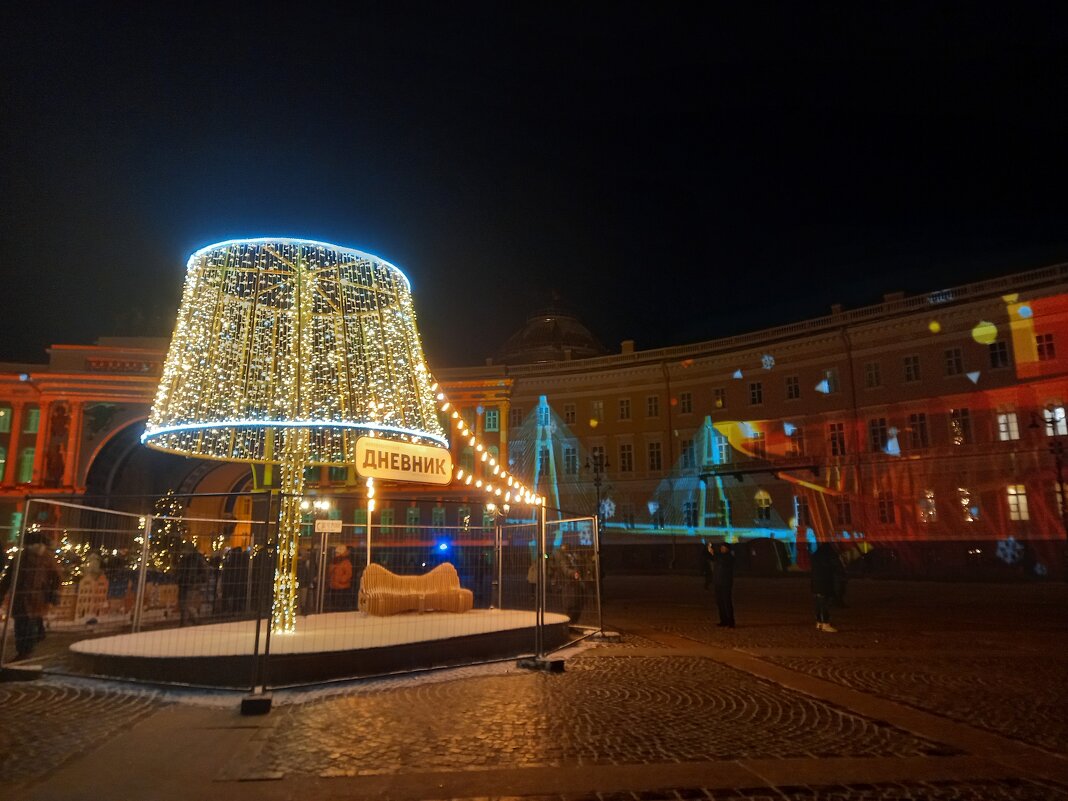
[324, 647]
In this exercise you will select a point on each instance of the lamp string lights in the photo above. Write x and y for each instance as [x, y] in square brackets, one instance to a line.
[507, 487]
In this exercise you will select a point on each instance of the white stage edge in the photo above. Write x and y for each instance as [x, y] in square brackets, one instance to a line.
[326, 633]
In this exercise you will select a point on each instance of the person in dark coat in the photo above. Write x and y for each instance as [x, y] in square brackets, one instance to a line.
[192, 574]
[36, 589]
[566, 574]
[826, 566]
[722, 558]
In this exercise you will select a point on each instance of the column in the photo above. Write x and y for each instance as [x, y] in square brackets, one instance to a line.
[40, 451]
[74, 442]
[13, 443]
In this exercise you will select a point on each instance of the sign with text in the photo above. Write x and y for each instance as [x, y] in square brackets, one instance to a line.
[402, 461]
[328, 526]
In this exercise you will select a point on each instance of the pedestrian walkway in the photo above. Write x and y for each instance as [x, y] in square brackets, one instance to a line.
[929, 691]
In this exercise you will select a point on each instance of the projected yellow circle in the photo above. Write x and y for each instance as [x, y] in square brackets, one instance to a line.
[934, 326]
[985, 332]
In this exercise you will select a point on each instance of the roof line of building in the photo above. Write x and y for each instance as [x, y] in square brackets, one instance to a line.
[890, 307]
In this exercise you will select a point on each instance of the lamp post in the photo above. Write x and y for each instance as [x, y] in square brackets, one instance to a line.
[598, 466]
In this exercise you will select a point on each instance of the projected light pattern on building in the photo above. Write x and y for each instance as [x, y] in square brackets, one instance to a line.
[275, 334]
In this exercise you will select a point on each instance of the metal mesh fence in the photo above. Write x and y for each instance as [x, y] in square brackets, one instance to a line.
[172, 597]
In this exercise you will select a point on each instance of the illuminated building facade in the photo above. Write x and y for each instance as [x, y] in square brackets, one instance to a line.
[937, 418]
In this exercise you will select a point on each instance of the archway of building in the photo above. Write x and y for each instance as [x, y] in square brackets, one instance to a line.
[126, 475]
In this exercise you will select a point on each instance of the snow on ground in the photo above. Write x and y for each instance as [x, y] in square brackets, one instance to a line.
[336, 631]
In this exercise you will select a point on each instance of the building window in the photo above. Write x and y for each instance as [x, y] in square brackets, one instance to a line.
[836, 435]
[759, 445]
[804, 519]
[386, 517]
[719, 398]
[25, 466]
[597, 457]
[793, 387]
[655, 461]
[515, 416]
[927, 508]
[1017, 497]
[624, 408]
[5, 419]
[1058, 496]
[652, 406]
[918, 436]
[1056, 425]
[437, 517]
[960, 426]
[689, 514]
[467, 459]
[492, 420]
[763, 506]
[596, 411]
[1046, 350]
[872, 379]
[339, 475]
[626, 458]
[721, 448]
[487, 518]
[3, 461]
[795, 442]
[412, 519]
[569, 413]
[685, 403]
[1008, 427]
[756, 393]
[32, 420]
[954, 361]
[688, 460]
[877, 434]
[912, 368]
[359, 516]
[843, 511]
[463, 517]
[999, 354]
[885, 506]
[468, 416]
[571, 464]
[968, 511]
[831, 377]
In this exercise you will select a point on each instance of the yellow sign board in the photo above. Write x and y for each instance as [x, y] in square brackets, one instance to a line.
[402, 461]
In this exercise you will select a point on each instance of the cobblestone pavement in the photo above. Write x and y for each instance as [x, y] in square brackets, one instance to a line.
[1006, 790]
[601, 711]
[1019, 698]
[648, 707]
[48, 723]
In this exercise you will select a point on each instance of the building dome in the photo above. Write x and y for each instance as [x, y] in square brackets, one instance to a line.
[550, 335]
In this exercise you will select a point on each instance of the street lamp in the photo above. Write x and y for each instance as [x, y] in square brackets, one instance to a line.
[1055, 416]
[598, 467]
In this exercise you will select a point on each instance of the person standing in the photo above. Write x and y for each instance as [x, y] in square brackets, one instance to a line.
[36, 589]
[722, 558]
[339, 583]
[825, 567]
[568, 580]
[192, 574]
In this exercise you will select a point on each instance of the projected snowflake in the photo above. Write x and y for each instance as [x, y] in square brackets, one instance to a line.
[767, 361]
[1009, 550]
[608, 508]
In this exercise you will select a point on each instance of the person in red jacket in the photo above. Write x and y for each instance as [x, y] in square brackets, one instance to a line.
[339, 580]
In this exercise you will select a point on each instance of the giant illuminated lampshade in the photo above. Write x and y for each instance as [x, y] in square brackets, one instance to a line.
[286, 351]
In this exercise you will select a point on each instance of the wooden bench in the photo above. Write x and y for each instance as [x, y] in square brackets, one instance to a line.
[386, 593]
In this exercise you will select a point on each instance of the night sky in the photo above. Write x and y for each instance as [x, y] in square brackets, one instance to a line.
[669, 173]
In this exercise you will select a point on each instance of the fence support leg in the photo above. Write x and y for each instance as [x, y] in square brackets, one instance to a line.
[139, 598]
[538, 661]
